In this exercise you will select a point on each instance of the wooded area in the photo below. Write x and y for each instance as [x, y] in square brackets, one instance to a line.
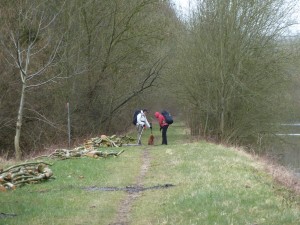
[239, 68]
[227, 70]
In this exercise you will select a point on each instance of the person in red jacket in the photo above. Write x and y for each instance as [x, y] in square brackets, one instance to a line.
[163, 126]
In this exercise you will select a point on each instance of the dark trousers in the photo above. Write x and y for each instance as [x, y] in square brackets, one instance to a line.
[164, 135]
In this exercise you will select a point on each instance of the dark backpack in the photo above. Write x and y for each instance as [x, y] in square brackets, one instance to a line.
[136, 112]
[168, 117]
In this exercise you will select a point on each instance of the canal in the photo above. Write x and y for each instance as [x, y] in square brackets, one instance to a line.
[285, 147]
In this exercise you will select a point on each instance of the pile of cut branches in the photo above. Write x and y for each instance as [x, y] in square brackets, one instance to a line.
[33, 172]
[92, 148]
[25, 173]
[106, 141]
[79, 152]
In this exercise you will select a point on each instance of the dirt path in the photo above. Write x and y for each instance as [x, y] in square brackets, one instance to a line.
[123, 214]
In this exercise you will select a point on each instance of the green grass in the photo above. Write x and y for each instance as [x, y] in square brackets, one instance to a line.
[64, 201]
[213, 185]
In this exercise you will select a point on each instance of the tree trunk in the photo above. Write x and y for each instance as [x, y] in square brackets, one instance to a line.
[19, 124]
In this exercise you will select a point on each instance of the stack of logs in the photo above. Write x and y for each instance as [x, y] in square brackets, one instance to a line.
[79, 152]
[30, 172]
[33, 172]
[92, 148]
[112, 141]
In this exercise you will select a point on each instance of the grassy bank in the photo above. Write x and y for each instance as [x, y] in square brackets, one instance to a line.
[212, 185]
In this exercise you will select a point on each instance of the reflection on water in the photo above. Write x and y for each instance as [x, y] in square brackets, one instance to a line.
[288, 152]
[286, 147]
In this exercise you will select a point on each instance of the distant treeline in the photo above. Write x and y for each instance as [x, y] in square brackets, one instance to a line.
[226, 69]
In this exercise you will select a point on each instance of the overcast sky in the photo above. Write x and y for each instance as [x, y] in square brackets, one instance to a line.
[183, 6]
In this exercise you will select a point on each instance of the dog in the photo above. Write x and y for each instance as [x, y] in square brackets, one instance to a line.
[151, 140]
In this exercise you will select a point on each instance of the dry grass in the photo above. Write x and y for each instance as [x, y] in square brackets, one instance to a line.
[283, 175]
[280, 174]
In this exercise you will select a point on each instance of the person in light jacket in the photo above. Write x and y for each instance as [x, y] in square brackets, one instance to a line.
[163, 126]
[141, 122]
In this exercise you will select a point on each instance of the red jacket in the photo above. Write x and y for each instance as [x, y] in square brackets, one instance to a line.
[161, 119]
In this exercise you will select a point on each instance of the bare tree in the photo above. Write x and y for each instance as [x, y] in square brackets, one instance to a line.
[234, 68]
[119, 44]
[113, 51]
[32, 50]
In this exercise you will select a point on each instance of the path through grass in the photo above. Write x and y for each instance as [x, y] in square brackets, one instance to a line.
[212, 185]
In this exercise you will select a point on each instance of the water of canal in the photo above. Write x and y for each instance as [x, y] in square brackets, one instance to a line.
[286, 147]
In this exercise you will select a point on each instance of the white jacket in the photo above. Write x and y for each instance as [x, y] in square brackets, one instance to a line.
[142, 120]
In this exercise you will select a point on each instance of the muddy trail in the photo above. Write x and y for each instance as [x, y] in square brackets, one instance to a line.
[133, 191]
[123, 213]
